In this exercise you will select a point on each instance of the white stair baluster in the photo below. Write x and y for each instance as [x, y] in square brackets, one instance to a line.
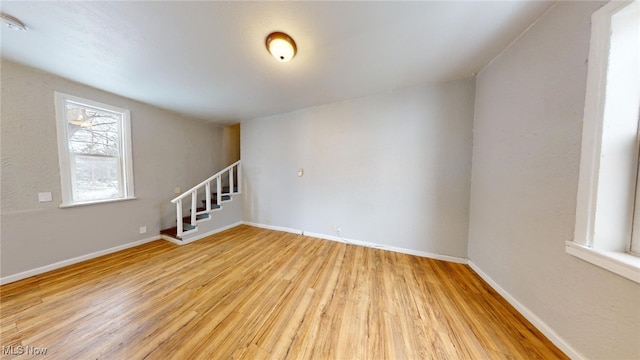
[194, 207]
[179, 216]
[207, 189]
[239, 177]
[235, 180]
[219, 191]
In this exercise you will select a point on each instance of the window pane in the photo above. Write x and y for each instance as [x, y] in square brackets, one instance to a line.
[93, 131]
[94, 147]
[96, 178]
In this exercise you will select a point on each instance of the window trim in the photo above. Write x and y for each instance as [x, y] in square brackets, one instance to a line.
[64, 156]
[634, 247]
[623, 264]
[583, 245]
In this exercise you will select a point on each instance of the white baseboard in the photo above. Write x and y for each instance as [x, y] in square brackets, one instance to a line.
[200, 236]
[529, 315]
[362, 243]
[271, 227]
[75, 260]
[171, 239]
[420, 253]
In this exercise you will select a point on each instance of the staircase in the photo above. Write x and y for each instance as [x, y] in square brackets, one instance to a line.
[213, 193]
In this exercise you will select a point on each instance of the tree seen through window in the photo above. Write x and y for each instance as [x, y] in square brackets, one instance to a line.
[94, 148]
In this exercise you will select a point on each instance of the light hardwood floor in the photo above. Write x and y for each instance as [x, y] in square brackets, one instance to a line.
[259, 294]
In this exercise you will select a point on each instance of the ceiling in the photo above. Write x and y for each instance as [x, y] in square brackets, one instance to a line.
[208, 60]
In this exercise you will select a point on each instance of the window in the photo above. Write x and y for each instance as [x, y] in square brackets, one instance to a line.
[94, 145]
[607, 229]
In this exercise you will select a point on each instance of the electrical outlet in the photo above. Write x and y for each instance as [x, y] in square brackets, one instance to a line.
[143, 229]
[339, 229]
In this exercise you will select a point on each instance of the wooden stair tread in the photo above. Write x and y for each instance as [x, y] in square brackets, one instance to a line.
[186, 226]
[216, 191]
[172, 232]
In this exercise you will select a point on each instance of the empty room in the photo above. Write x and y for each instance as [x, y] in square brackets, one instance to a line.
[320, 180]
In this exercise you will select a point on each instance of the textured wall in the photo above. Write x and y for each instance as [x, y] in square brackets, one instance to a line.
[526, 154]
[168, 151]
[390, 169]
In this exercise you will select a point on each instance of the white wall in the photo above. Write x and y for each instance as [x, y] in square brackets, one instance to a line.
[527, 136]
[390, 169]
[168, 151]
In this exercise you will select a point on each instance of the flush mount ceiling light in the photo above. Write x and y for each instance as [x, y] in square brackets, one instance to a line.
[12, 22]
[281, 46]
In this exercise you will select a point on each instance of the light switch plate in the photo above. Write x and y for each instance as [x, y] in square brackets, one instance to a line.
[45, 197]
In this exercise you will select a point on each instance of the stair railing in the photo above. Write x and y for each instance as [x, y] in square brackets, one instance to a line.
[193, 192]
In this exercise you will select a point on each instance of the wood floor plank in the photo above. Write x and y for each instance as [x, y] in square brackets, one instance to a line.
[251, 293]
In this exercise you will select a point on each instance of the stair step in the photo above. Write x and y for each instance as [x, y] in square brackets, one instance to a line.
[187, 219]
[186, 226]
[173, 232]
[214, 197]
[214, 200]
[222, 193]
[214, 206]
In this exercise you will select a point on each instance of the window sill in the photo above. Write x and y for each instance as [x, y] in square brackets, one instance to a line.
[64, 206]
[623, 264]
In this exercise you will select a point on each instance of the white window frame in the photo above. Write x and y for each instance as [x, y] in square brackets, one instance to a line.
[634, 248]
[66, 173]
[603, 232]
